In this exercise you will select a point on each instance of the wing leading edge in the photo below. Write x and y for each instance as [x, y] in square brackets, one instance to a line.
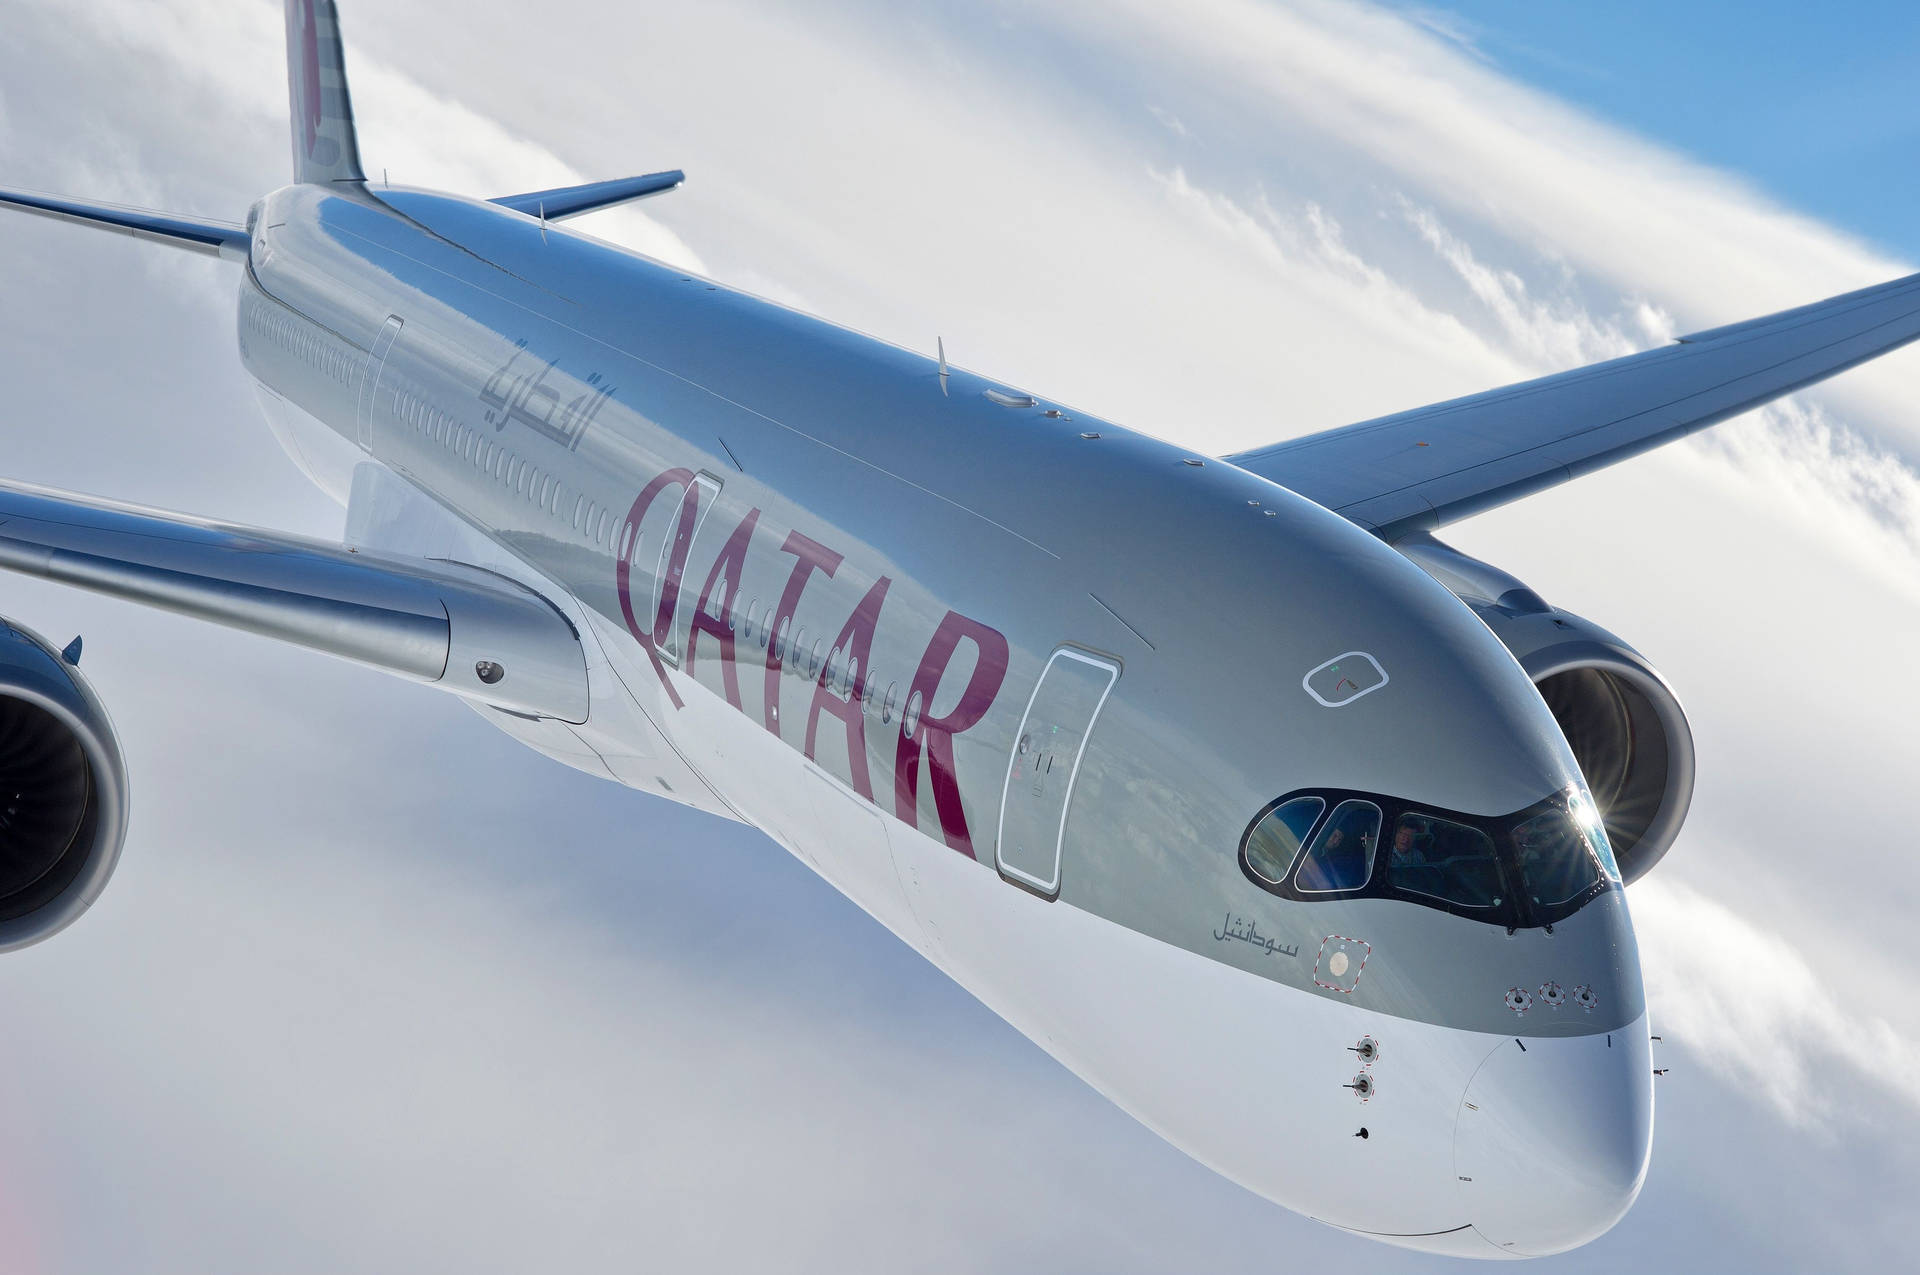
[457, 627]
[1423, 469]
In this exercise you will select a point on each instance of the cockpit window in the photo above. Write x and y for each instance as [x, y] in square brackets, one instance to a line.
[1530, 868]
[1341, 857]
[1444, 860]
[1275, 840]
[1556, 863]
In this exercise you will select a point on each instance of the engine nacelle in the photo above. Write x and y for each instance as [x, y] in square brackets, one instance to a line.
[63, 791]
[1623, 722]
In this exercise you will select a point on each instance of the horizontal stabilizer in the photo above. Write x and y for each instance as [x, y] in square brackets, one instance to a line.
[571, 201]
[214, 238]
[460, 628]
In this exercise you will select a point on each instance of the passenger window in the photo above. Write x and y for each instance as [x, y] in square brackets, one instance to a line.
[1555, 862]
[1341, 857]
[1444, 860]
[1275, 841]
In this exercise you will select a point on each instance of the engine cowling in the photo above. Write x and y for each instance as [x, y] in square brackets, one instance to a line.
[1623, 722]
[63, 791]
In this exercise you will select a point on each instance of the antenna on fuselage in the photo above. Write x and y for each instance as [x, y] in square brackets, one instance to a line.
[942, 344]
[543, 221]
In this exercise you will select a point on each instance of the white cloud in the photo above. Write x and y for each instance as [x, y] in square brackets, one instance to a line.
[1748, 1004]
[1346, 215]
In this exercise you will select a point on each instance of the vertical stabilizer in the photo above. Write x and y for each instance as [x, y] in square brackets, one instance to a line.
[324, 146]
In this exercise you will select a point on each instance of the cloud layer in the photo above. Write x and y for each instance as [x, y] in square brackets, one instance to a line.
[372, 989]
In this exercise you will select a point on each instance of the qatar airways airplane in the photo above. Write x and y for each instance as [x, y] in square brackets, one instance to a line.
[1146, 749]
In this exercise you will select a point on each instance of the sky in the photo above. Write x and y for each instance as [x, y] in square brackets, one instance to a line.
[374, 989]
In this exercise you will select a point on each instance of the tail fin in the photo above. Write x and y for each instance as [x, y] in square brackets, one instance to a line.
[324, 146]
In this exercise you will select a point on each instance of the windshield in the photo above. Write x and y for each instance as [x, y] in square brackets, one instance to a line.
[1276, 840]
[1530, 868]
[1453, 862]
[1342, 855]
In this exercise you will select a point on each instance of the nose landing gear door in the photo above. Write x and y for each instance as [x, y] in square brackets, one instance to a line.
[1046, 759]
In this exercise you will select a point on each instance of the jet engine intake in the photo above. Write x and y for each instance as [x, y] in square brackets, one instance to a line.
[63, 791]
[1623, 722]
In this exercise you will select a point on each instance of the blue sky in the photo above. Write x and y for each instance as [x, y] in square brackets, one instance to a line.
[1813, 103]
[373, 989]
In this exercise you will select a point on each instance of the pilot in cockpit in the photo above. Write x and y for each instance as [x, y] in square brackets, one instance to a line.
[1406, 852]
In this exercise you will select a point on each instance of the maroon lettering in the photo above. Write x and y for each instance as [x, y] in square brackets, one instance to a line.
[623, 566]
[676, 565]
[809, 556]
[727, 570]
[934, 735]
[855, 644]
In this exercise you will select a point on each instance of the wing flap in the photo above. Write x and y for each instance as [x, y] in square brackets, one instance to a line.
[1423, 469]
[453, 626]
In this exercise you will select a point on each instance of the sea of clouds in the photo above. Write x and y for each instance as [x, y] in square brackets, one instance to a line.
[374, 990]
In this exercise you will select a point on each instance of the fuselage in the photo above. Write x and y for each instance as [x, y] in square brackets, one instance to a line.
[1021, 682]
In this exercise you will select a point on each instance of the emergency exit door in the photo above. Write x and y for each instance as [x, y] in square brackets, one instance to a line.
[1046, 758]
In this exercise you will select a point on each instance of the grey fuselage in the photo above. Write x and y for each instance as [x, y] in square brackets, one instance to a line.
[561, 396]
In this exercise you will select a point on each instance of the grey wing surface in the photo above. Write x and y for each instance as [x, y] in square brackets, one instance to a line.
[1423, 469]
[447, 624]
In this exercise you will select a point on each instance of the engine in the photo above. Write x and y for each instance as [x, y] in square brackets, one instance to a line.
[1621, 719]
[63, 790]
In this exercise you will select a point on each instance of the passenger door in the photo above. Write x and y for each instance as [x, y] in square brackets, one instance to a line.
[370, 376]
[1047, 751]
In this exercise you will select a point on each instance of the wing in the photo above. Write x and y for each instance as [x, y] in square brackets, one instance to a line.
[457, 627]
[1426, 468]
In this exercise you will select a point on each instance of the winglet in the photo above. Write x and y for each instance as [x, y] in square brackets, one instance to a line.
[325, 148]
[571, 201]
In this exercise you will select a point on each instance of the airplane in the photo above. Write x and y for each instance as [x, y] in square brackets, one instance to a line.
[1146, 749]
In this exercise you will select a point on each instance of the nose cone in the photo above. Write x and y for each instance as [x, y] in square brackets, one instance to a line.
[1552, 1139]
